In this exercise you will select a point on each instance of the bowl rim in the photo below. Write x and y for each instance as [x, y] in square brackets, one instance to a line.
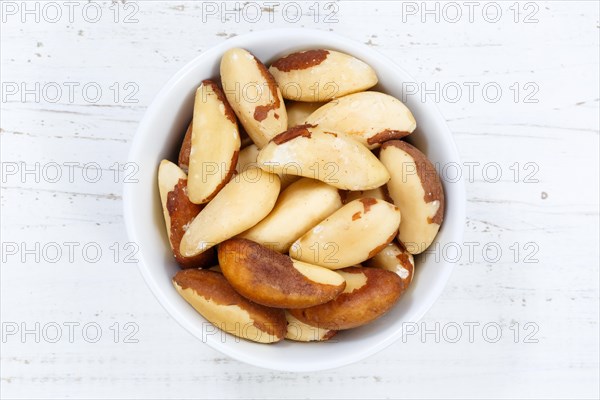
[150, 279]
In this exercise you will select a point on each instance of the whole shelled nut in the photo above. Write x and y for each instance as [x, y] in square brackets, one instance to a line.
[369, 293]
[351, 235]
[321, 75]
[215, 143]
[186, 146]
[417, 190]
[178, 212]
[273, 279]
[395, 258]
[241, 204]
[301, 332]
[214, 298]
[253, 95]
[369, 117]
[333, 158]
[301, 206]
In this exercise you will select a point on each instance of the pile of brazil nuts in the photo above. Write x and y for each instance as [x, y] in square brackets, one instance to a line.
[294, 209]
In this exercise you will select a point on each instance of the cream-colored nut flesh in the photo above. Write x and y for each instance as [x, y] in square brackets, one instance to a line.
[178, 212]
[253, 95]
[301, 332]
[321, 75]
[369, 117]
[416, 189]
[301, 206]
[369, 293]
[169, 175]
[214, 298]
[378, 193]
[241, 204]
[331, 157]
[397, 259]
[349, 236]
[275, 280]
[215, 143]
[247, 159]
[353, 281]
[299, 111]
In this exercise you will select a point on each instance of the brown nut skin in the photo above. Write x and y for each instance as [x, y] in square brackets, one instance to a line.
[370, 118]
[333, 158]
[178, 212]
[356, 307]
[273, 279]
[377, 193]
[395, 258]
[214, 298]
[182, 211]
[245, 140]
[215, 143]
[241, 204]
[321, 75]
[253, 94]
[417, 191]
[184, 151]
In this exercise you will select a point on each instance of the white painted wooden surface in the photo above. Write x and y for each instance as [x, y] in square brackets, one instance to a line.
[559, 133]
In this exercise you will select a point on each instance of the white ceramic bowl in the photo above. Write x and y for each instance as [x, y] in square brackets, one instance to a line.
[159, 136]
